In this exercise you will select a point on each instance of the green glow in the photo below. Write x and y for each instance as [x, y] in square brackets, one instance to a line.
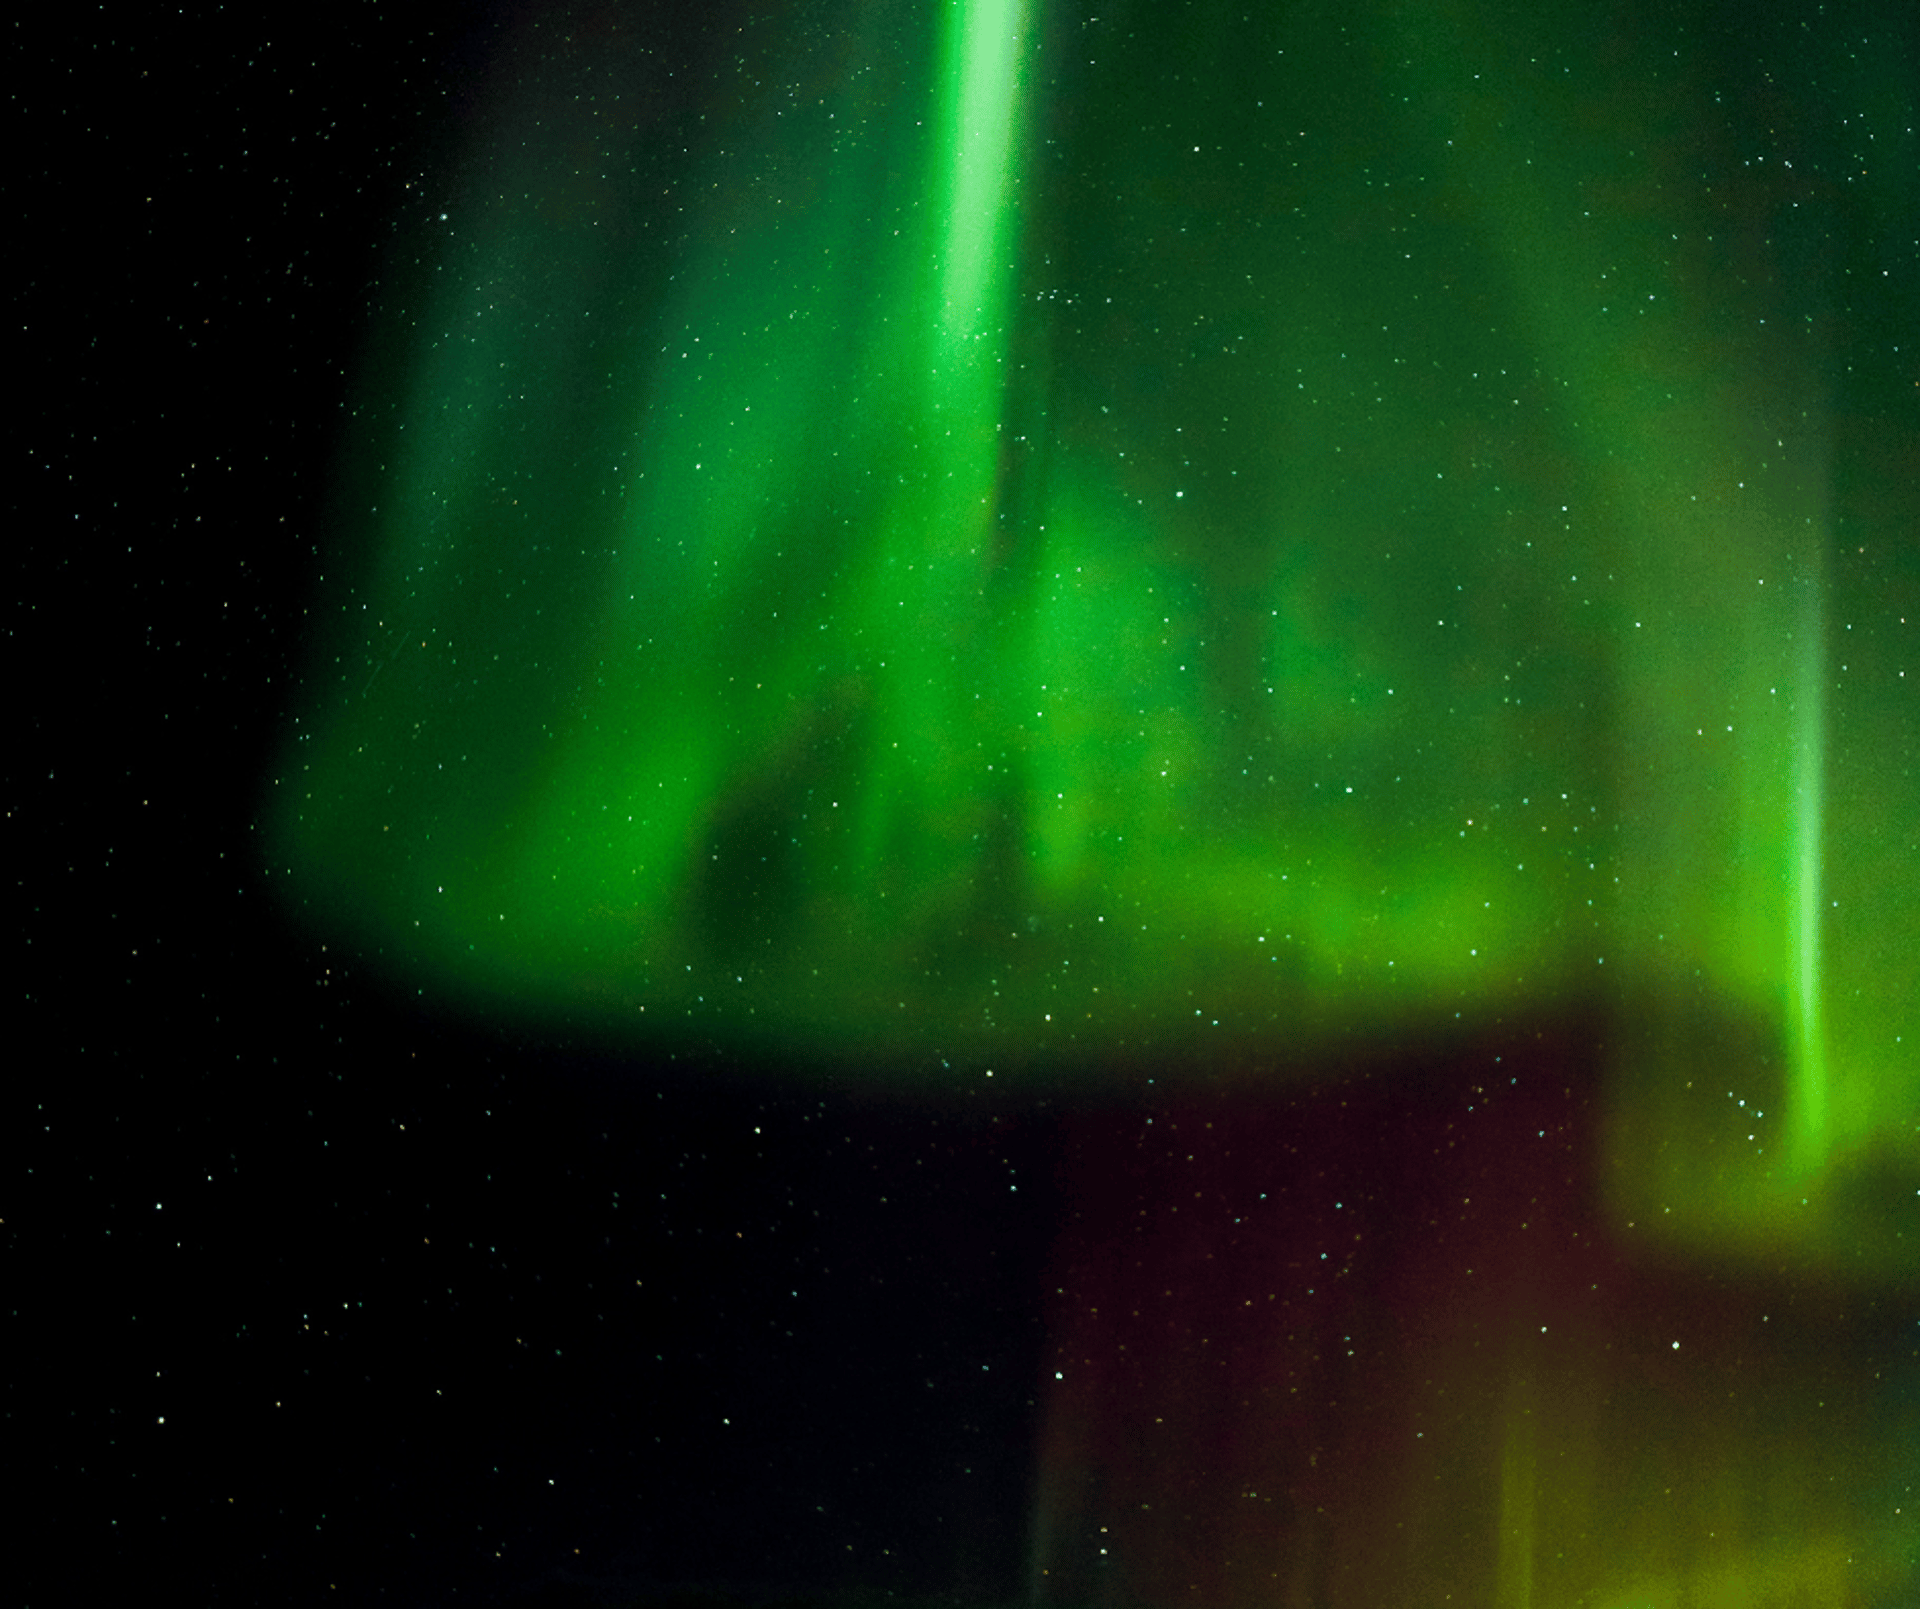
[1809, 1096]
[1519, 1482]
[986, 43]
[1722, 665]
[967, 584]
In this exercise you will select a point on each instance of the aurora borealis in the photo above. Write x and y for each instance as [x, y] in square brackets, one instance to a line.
[1222, 543]
[1047, 535]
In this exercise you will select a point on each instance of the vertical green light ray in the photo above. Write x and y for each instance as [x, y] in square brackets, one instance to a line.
[1809, 1087]
[936, 792]
[985, 45]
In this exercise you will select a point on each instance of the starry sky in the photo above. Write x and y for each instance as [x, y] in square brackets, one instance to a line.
[1075, 805]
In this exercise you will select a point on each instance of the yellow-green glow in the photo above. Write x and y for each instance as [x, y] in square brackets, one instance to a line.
[1519, 1480]
[1362, 1346]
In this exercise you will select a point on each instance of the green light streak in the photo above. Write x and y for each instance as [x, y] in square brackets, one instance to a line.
[985, 44]
[1809, 1098]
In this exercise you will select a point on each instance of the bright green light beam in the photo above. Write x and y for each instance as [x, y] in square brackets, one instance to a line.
[985, 45]
[1809, 1077]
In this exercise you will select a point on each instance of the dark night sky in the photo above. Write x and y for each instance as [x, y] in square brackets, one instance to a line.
[308, 1288]
[314, 1291]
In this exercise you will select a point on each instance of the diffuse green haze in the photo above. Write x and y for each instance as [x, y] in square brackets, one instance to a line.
[1033, 540]
[1697, 379]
